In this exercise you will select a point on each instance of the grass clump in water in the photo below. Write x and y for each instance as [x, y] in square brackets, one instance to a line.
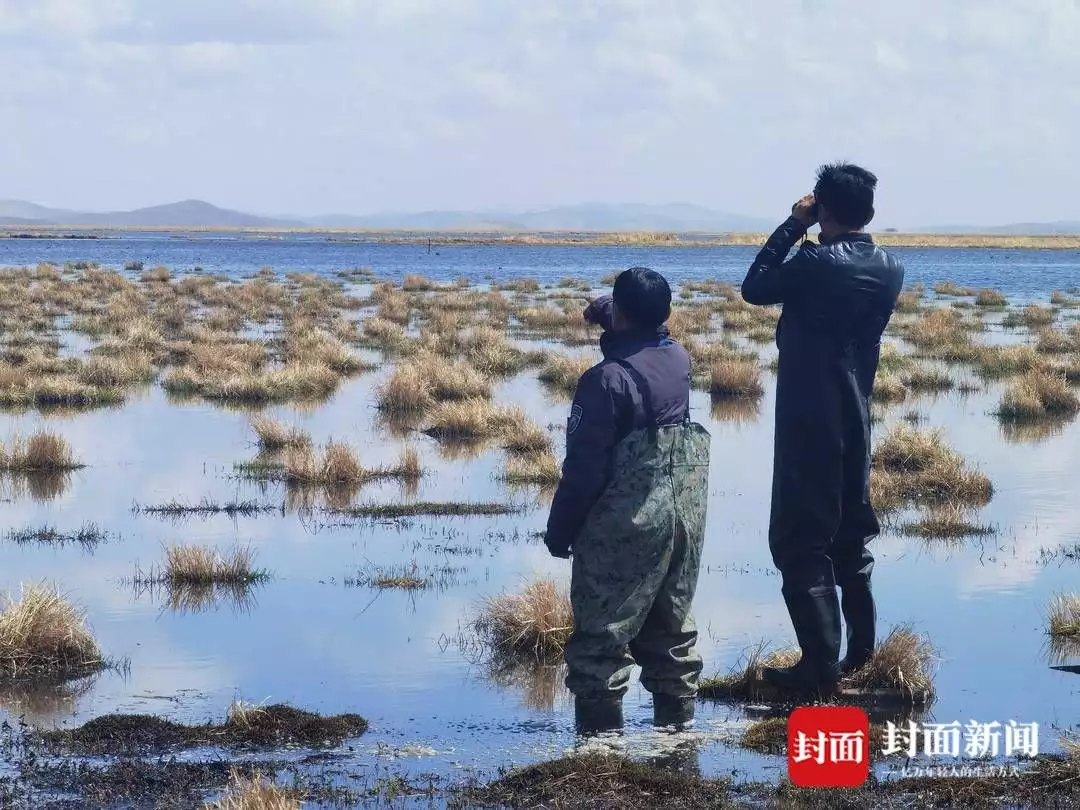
[1038, 395]
[951, 288]
[43, 635]
[201, 565]
[256, 793]
[273, 435]
[1063, 616]
[89, 536]
[889, 388]
[534, 624]
[735, 378]
[910, 465]
[901, 666]
[541, 468]
[994, 299]
[42, 452]
[995, 362]
[928, 379]
[396, 511]
[561, 373]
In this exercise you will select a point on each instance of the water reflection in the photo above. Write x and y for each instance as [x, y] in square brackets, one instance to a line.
[199, 597]
[541, 685]
[1033, 431]
[42, 703]
[737, 411]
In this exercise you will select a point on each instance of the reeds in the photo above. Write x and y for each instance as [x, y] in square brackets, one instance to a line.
[43, 634]
[255, 793]
[1063, 616]
[735, 378]
[1038, 395]
[478, 419]
[535, 623]
[203, 565]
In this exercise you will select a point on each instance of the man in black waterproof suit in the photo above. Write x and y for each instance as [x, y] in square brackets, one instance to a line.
[837, 299]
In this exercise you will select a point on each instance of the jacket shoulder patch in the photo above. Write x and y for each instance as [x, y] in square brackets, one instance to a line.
[574, 420]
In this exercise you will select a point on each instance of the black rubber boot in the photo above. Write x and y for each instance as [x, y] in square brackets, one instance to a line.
[597, 715]
[815, 614]
[860, 616]
[676, 712]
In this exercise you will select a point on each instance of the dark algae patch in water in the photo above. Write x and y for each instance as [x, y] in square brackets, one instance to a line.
[263, 727]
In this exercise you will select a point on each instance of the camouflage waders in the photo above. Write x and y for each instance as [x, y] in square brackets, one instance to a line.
[635, 568]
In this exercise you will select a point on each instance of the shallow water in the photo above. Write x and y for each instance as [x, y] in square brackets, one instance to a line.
[310, 639]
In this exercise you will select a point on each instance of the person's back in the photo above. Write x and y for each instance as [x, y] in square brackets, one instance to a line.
[837, 299]
[631, 506]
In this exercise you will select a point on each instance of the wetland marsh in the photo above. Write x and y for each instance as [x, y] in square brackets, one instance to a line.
[287, 472]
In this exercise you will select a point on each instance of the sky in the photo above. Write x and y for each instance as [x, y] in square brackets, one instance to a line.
[966, 109]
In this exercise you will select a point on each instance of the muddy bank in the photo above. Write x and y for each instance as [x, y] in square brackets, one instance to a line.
[261, 727]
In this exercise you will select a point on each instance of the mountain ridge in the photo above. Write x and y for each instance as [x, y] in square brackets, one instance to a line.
[589, 216]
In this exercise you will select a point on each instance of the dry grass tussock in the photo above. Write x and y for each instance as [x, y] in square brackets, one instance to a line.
[42, 634]
[1063, 616]
[901, 664]
[1038, 395]
[42, 452]
[904, 662]
[910, 465]
[923, 378]
[733, 377]
[995, 362]
[202, 565]
[562, 373]
[535, 623]
[541, 468]
[255, 793]
[273, 435]
[1054, 341]
[889, 388]
[990, 298]
[952, 288]
[296, 382]
[479, 419]
[524, 437]
[422, 382]
[337, 464]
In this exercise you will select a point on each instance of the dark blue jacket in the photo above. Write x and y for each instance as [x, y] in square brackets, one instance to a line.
[643, 381]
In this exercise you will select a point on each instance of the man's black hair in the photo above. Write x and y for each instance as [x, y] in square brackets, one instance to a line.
[847, 192]
[643, 297]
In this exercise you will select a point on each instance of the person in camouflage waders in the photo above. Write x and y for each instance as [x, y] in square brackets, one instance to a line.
[631, 509]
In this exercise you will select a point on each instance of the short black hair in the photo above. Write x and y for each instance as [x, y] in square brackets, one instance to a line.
[847, 192]
[643, 297]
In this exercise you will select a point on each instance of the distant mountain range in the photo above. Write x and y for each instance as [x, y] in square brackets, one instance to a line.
[680, 217]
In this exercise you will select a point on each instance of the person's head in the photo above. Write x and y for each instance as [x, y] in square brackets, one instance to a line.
[844, 194]
[642, 300]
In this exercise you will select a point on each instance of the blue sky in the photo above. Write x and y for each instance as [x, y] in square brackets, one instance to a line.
[966, 110]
